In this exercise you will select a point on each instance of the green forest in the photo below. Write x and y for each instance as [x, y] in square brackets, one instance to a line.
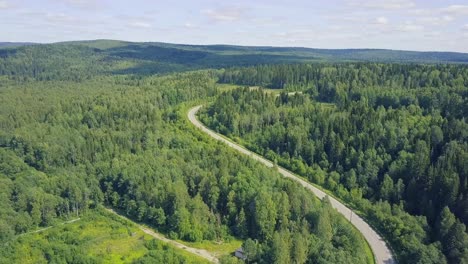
[68, 147]
[390, 140]
[89, 125]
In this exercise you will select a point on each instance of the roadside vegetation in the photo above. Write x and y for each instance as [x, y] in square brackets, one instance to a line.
[390, 140]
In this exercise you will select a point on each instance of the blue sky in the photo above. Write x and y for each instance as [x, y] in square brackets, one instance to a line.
[440, 25]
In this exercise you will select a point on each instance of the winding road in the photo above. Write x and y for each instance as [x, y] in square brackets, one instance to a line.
[380, 249]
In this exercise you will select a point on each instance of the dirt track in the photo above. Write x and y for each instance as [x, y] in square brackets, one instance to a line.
[200, 252]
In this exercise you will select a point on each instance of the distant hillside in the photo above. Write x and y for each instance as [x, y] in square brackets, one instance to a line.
[81, 59]
[15, 44]
[155, 49]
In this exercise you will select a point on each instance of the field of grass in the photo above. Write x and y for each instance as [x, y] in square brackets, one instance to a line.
[111, 241]
[224, 87]
[98, 237]
[218, 249]
[329, 106]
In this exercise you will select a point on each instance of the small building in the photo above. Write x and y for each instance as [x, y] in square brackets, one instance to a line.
[239, 253]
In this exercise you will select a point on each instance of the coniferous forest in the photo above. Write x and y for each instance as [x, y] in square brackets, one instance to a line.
[389, 139]
[91, 125]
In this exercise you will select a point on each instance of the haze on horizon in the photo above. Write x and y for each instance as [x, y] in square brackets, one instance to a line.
[420, 25]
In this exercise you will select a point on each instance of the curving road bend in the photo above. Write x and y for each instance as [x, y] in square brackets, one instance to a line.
[380, 249]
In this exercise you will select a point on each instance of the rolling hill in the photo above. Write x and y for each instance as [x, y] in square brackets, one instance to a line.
[119, 57]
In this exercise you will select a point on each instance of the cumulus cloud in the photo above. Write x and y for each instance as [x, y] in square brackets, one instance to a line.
[440, 16]
[410, 27]
[60, 18]
[4, 5]
[189, 25]
[139, 24]
[447, 18]
[381, 20]
[82, 4]
[433, 34]
[227, 14]
[32, 18]
[139, 21]
[456, 10]
[269, 21]
[436, 20]
[382, 4]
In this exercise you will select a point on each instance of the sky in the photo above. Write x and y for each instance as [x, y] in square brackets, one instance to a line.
[423, 25]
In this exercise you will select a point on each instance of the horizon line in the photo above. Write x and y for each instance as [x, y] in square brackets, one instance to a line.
[232, 45]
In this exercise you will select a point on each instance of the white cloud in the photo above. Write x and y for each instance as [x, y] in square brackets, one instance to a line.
[382, 4]
[435, 20]
[270, 21]
[346, 19]
[4, 5]
[82, 4]
[410, 27]
[447, 18]
[456, 10]
[439, 16]
[79, 2]
[139, 24]
[465, 27]
[41, 19]
[421, 12]
[190, 25]
[381, 20]
[336, 27]
[59, 18]
[433, 34]
[228, 14]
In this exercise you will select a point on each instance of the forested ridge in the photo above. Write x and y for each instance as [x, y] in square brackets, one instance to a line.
[389, 139]
[82, 60]
[69, 146]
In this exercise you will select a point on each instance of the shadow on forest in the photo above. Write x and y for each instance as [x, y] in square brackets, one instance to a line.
[156, 59]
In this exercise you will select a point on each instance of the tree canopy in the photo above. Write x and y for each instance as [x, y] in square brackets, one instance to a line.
[389, 139]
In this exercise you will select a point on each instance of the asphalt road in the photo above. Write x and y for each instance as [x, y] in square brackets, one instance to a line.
[379, 247]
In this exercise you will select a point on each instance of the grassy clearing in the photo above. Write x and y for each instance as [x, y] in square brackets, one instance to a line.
[218, 249]
[111, 241]
[328, 106]
[98, 236]
[224, 87]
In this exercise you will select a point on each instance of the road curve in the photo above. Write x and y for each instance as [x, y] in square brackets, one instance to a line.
[381, 251]
[199, 252]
